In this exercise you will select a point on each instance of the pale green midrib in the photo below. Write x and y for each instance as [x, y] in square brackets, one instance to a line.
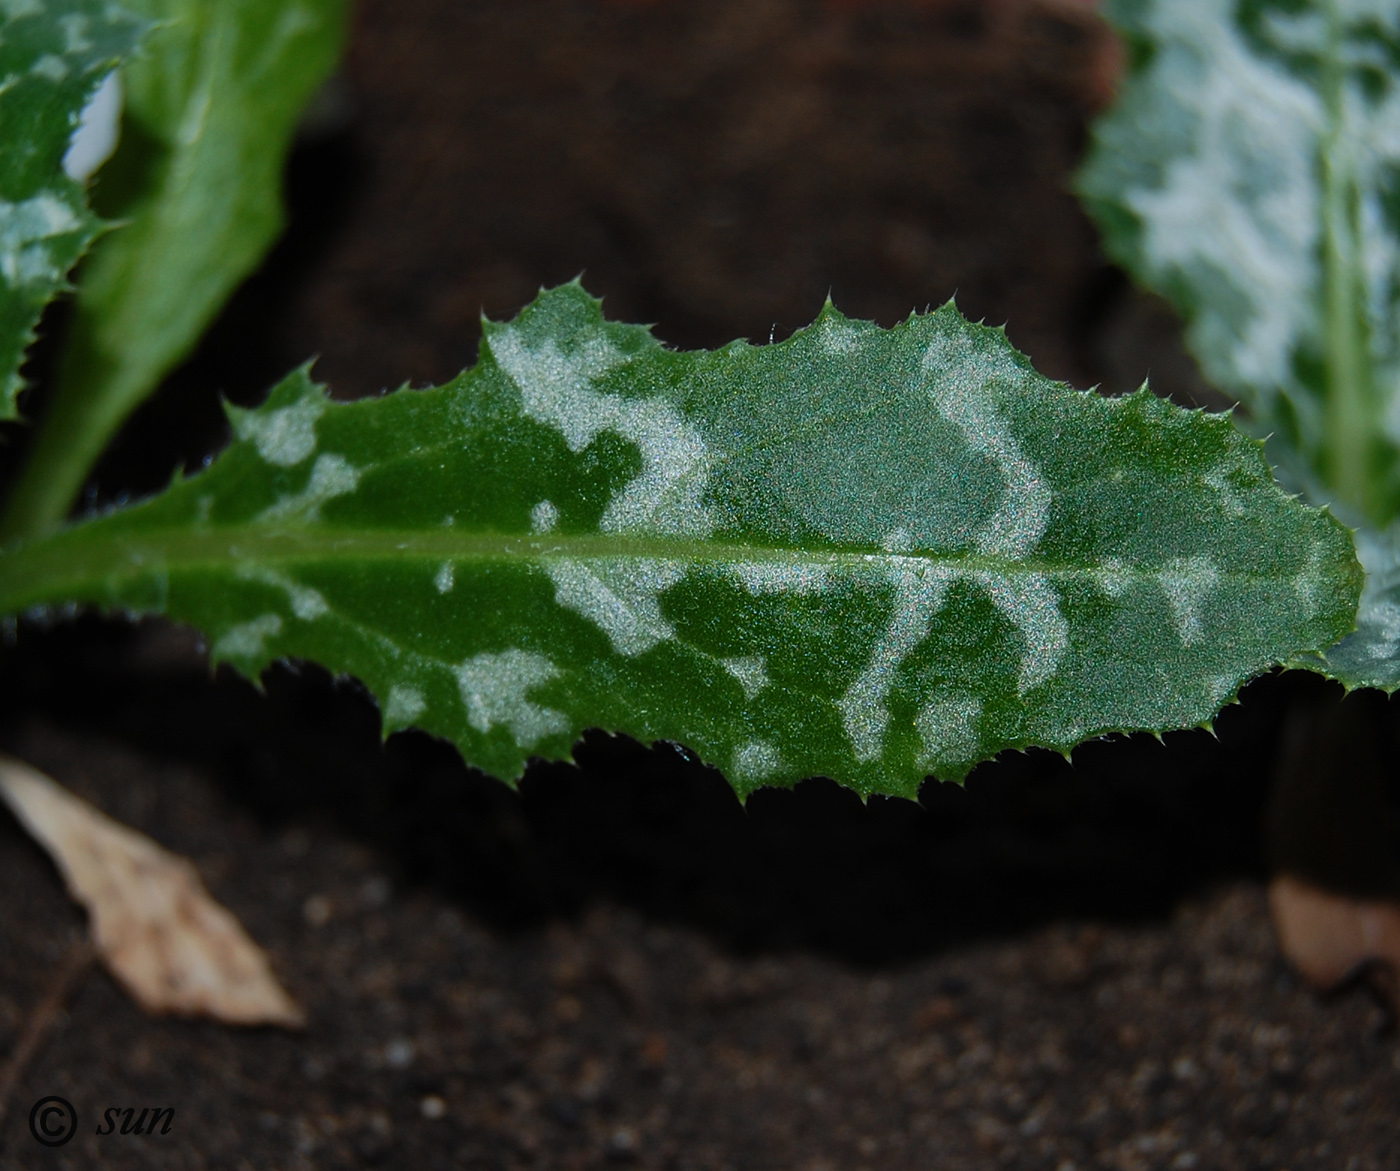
[69, 566]
[1351, 402]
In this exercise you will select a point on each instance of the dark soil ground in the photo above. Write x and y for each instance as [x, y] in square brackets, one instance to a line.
[1058, 966]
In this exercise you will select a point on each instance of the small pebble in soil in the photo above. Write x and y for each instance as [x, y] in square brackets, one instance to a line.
[399, 1053]
[432, 1107]
[316, 911]
[622, 1144]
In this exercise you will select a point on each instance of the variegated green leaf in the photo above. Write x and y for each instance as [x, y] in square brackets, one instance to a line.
[210, 108]
[1251, 173]
[1370, 657]
[53, 56]
[863, 553]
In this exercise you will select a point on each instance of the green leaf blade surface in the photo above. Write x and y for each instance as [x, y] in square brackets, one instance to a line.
[864, 553]
[1370, 656]
[53, 57]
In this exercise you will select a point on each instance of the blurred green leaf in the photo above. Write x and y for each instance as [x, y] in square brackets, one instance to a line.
[53, 56]
[211, 107]
[1251, 174]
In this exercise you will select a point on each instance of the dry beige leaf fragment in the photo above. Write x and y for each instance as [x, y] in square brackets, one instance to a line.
[1331, 937]
[153, 924]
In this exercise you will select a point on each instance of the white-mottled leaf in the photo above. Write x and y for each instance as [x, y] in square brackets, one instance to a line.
[1251, 173]
[1370, 656]
[871, 554]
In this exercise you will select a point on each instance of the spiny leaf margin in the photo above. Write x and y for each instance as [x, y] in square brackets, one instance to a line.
[1370, 655]
[870, 554]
